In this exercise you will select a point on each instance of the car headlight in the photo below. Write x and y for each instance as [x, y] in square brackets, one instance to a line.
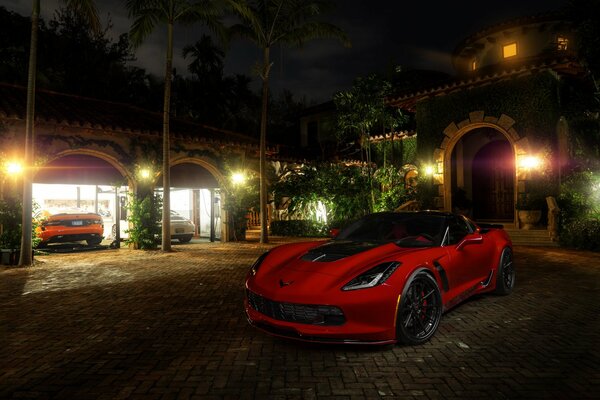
[373, 277]
[256, 265]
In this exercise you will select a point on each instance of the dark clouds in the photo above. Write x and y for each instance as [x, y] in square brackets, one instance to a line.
[418, 34]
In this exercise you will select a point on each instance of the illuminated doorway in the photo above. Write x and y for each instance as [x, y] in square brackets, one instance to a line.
[483, 176]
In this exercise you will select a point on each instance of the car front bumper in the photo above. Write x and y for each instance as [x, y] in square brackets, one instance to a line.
[369, 318]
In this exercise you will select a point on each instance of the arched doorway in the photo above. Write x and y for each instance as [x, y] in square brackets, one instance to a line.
[82, 181]
[195, 195]
[483, 175]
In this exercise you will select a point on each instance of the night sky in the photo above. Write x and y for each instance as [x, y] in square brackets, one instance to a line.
[419, 34]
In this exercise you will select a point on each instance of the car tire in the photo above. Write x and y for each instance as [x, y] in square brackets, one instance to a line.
[184, 239]
[420, 310]
[94, 241]
[505, 281]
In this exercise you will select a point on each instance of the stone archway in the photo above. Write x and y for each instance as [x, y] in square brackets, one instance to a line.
[208, 165]
[200, 180]
[456, 131]
[116, 164]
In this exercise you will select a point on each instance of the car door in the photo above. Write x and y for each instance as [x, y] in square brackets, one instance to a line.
[468, 253]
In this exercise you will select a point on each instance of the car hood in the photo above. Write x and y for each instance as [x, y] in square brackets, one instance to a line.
[321, 266]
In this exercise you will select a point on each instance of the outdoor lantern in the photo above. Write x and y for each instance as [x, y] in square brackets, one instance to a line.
[14, 168]
[530, 162]
[429, 170]
[238, 178]
[145, 173]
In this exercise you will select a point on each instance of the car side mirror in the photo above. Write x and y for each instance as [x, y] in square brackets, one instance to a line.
[475, 238]
[334, 232]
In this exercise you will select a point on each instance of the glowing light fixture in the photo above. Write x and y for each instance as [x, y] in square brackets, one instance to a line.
[530, 162]
[238, 178]
[145, 173]
[14, 168]
[429, 170]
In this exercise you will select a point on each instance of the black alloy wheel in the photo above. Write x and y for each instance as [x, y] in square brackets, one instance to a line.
[184, 239]
[420, 310]
[505, 282]
[94, 241]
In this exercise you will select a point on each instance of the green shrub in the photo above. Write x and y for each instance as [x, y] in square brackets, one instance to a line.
[300, 228]
[391, 190]
[583, 234]
[240, 200]
[11, 211]
[144, 216]
[579, 202]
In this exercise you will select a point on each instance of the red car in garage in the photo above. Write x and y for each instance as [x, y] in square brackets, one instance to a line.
[386, 278]
[71, 226]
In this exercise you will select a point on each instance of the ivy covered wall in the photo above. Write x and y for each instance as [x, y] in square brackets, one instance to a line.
[397, 153]
[531, 100]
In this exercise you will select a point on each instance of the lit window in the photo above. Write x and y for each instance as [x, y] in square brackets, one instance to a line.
[473, 65]
[509, 50]
[563, 43]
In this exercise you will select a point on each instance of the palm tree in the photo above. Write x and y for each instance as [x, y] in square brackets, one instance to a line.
[207, 58]
[271, 22]
[88, 10]
[147, 14]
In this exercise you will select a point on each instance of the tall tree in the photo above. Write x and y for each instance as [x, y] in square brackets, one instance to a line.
[271, 22]
[207, 58]
[88, 9]
[147, 14]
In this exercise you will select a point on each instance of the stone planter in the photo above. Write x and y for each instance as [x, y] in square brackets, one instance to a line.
[529, 218]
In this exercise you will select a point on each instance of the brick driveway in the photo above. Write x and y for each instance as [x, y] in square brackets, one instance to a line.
[132, 324]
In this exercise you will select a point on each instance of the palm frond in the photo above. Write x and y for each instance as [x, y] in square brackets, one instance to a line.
[250, 16]
[243, 31]
[299, 35]
[134, 7]
[87, 9]
[144, 24]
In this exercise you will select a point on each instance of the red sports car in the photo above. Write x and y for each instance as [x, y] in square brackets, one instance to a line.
[386, 278]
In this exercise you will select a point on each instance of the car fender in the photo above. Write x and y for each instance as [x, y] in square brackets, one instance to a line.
[407, 283]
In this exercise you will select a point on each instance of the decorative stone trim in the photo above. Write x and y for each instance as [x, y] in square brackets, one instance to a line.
[451, 130]
[464, 123]
[455, 131]
[476, 116]
[506, 122]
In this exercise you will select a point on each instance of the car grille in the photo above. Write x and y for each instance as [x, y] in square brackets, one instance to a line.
[299, 313]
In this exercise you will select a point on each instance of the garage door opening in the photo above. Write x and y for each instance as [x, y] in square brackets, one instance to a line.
[80, 183]
[195, 195]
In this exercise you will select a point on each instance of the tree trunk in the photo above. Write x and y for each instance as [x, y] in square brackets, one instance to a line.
[264, 234]
[26, 258]
[166, 212]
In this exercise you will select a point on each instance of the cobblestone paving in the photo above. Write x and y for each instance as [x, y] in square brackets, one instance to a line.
[130, 324]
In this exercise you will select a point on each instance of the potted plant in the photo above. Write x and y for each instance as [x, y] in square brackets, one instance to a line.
[531, 203]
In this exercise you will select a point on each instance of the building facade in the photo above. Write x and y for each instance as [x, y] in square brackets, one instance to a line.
[506, 120]
[87, 142]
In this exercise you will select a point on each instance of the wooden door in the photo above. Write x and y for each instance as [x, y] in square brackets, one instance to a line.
[493, 182]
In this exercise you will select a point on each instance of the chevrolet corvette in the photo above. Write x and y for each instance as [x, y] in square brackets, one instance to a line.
[386, 278]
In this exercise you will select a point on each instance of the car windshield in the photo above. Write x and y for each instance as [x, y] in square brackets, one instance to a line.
[404, 229]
